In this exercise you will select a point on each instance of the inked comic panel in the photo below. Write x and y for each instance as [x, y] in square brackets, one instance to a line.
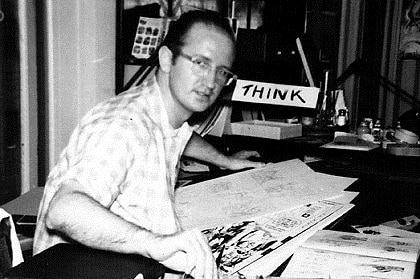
[238, 245]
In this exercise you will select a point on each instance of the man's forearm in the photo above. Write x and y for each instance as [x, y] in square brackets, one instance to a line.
[199, 148]
[83, 219]
[78, 216]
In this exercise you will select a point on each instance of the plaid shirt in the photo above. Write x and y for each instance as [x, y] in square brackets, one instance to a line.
[126, 156]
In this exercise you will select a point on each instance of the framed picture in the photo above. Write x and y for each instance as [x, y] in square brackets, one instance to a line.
[410, 30]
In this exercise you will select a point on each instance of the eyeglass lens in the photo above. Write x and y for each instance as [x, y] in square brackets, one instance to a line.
[202, 68]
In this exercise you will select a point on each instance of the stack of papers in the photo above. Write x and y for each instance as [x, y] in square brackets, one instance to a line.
[350, 141]
[255, 219]
[343, 255]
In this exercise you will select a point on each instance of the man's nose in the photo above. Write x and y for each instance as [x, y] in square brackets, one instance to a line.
[210, 79]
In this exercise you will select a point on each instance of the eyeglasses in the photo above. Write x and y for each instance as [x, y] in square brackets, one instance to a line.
[201, 67]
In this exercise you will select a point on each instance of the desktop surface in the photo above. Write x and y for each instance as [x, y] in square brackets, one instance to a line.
[389, 185]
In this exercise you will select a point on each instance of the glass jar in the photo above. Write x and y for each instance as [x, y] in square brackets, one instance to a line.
[363, 128]
[369, 122]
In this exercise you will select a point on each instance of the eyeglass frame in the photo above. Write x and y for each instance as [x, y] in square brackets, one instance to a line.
[206, 72]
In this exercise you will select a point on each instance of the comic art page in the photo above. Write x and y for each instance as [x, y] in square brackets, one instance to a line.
[240, 244]
[249, 194]
[333, 254]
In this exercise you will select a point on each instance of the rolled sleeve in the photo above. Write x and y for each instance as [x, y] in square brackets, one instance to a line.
[101, 162]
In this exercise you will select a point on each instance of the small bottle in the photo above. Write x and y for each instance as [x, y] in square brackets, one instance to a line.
[341, 118]
[363, 128]
[377, 130]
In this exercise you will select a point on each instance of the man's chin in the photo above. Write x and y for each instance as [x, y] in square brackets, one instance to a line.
[201, 106]
[199, 109]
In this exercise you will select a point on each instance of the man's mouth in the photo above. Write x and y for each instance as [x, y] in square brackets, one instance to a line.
[203, 93]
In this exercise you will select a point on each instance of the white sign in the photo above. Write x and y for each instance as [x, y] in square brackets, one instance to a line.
[275, 94]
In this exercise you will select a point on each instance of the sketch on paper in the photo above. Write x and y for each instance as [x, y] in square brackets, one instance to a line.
[252, 193]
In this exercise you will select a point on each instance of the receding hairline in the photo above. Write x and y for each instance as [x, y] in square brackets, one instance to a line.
[180, 31]
[210, 26]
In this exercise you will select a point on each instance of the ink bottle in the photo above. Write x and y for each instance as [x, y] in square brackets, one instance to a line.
[377, 130]
[341, 121]
[341, 118]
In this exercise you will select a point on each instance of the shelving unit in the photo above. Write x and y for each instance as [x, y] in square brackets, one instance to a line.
[127, 20]
[269, 27]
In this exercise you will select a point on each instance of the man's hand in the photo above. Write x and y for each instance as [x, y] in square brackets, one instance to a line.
[200, 149]
[186, 251]
[76, 214]
[240, 160]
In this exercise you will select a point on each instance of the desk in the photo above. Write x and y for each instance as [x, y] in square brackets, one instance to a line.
[396, 178]
[26, 204]
[25, 207]
[389, 185]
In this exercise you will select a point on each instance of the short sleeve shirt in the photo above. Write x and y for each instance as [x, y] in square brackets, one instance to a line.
[126, 156]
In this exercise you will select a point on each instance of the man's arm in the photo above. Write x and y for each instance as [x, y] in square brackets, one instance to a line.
[77, 215]
[200, 149]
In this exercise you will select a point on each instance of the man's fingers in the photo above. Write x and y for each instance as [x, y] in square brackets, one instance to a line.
[204, 264]
[244, 154]
[187, 251]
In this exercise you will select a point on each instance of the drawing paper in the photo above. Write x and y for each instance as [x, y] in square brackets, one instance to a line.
[249, 194]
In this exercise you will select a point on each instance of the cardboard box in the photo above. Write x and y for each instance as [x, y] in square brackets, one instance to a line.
[266, 129]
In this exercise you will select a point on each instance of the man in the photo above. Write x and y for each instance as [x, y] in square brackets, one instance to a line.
[113, 187]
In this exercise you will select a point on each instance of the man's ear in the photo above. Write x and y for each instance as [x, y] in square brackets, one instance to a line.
[165, 58]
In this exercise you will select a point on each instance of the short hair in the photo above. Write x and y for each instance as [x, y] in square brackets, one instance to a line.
[175, 39]
[178, 30]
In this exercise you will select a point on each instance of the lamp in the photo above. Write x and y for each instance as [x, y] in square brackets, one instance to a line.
[409, 120]
[360, 66]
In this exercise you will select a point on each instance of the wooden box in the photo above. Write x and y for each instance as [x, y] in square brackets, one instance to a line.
[266, 129]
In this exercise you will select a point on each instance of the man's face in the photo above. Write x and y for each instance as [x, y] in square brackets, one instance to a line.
[192, 92]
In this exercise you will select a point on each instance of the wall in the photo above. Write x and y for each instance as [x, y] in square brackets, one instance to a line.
[80, 59]
[402, 71]
[371, 34]
[28, 94]
[350, 48]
